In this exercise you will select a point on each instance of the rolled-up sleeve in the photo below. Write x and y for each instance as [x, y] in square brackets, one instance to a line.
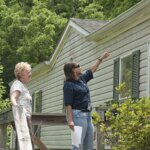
[68, 94]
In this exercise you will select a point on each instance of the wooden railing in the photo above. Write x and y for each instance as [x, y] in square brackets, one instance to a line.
[6, 118]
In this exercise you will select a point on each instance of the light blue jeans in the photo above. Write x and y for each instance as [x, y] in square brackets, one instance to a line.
[84, 120]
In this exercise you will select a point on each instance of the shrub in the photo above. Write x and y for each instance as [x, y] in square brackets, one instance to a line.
[4, 105]
[129, 128]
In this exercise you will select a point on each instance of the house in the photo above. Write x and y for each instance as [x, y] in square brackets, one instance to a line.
[126, 37]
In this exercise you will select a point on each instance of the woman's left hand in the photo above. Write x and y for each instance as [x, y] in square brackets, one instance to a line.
[71, 125]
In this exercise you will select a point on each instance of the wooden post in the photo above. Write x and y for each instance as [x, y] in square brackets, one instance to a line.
[100, 140]
[100, 137]
[3, 136]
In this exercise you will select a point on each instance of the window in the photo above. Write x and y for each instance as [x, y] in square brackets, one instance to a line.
[37, 107]
[126, 75]
[126, 70]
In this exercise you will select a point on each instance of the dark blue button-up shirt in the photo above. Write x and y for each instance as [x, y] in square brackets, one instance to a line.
[76, 92]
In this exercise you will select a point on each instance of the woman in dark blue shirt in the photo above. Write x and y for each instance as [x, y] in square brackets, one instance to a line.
[77, 100]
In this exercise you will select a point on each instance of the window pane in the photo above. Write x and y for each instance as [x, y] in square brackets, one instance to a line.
[126, 70]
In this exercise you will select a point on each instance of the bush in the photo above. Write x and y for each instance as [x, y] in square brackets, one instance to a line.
[4, 105]
[129, 126]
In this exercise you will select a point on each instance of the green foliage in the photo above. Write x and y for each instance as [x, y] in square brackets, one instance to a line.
[129, 126]
[112, 8]
[123, 90]
[40, 35]
[89, 9]
[129, 123]
[2, 89]
[96, 118]
[27, 35]
[4, 104]
[9, 130]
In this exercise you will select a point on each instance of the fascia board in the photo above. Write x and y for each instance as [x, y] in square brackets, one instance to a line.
[78, 28]
[39, 69]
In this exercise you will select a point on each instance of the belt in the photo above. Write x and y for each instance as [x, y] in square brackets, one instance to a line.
[85, 110]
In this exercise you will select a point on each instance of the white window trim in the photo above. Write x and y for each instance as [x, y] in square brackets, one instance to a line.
[148, 68]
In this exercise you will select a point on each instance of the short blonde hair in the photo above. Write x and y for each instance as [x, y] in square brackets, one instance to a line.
[20, 67]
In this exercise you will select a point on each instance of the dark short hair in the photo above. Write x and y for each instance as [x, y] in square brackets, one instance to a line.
[68, 71]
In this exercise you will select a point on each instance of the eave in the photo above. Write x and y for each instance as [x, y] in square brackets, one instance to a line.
[40, 69]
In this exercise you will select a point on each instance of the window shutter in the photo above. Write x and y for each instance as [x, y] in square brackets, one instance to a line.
[33, 96]
[39, 110]
[40, 101]
[135, 74]
[116, 78]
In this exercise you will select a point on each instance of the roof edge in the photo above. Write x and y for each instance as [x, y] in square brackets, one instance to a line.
[70, 24]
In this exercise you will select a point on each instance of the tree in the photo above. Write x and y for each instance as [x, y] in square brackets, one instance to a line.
[4, 103]
[112, 8]
[26, 35]
[41, 34]
[89, 9]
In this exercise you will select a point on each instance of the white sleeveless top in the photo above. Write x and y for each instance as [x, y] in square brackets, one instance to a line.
[25, 98]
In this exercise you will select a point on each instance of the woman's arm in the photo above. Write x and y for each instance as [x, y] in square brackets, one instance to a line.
[99, 60]
[69, 115]
[14, 97]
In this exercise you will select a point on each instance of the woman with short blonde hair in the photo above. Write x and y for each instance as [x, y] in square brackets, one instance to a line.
[20, 67]
[19, 93]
